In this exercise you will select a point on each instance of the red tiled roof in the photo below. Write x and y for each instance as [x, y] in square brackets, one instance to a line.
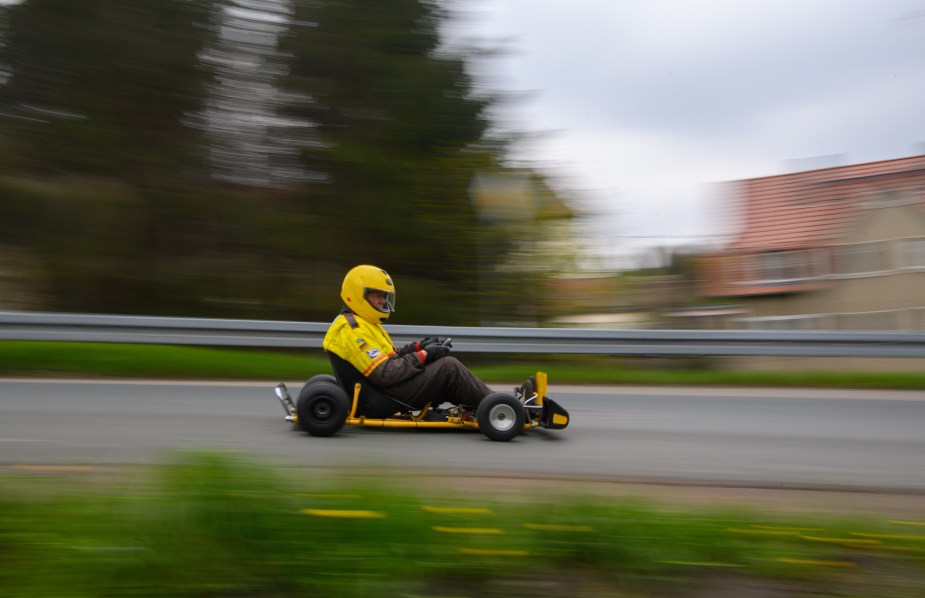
[813, 208]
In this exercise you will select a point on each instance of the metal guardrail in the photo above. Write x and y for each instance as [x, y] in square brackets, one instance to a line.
[43, 326]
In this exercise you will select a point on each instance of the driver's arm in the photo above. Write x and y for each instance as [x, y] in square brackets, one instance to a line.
[371, 352]
[396, 369]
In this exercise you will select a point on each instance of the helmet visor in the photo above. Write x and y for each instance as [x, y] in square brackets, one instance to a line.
[383, 301]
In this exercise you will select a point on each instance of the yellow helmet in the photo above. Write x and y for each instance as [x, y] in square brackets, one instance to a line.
[360, 281]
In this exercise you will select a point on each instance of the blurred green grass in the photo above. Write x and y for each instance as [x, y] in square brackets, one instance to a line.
[27, 358]
[210, 524]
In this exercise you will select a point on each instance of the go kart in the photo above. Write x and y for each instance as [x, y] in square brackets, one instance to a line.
[323, 408]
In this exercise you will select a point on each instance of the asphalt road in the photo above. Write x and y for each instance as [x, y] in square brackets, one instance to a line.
[769, 437]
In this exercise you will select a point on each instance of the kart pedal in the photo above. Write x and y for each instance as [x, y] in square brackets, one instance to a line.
[282, 393]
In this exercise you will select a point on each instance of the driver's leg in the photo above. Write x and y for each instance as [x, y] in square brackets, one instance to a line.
[446, 379]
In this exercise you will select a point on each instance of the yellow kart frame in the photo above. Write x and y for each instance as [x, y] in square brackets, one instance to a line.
[323, 408]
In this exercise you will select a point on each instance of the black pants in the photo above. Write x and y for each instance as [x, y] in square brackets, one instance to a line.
[443, 380]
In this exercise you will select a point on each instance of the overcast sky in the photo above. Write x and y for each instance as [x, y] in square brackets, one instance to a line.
[646, 103]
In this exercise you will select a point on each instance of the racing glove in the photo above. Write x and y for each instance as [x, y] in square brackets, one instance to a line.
[437, 350]
[441, 340]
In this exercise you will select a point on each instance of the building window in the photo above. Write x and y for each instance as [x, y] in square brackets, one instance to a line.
[896, 196]
[861, 258]
[912, 253]
[778, 268]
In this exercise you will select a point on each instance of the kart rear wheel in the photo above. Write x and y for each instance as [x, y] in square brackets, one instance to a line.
[322, 408]
[322, 378]
[501, 416]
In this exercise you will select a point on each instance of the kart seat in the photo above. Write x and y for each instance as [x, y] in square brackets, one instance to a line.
[373, 403]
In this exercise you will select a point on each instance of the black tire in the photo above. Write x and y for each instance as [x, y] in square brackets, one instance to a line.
[501, 416]
[321, 378]
[322, 408]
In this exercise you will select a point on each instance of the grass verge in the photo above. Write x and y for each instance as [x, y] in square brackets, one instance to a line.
[27, 358]
[210, 524]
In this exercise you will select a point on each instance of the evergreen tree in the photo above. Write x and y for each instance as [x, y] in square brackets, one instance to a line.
[147, 155]
[102, 87]
[401, 133]
[96, 149]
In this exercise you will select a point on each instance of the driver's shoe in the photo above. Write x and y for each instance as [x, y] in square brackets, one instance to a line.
[526, 390]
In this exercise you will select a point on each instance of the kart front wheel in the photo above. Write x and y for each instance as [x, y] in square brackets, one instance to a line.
[322, 408]
[501, 416]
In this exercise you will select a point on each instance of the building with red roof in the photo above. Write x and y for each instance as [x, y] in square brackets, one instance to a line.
[840, 248]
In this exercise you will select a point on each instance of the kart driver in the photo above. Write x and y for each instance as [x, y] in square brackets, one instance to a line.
[414, 374]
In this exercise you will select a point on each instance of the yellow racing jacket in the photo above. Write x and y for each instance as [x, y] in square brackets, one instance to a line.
[369, 349]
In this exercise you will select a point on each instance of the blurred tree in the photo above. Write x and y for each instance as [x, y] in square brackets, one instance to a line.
[401, 135]
[102, 86]
[235, 157]
[100, 165]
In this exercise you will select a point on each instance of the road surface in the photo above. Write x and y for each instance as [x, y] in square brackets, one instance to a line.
[740, 437]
